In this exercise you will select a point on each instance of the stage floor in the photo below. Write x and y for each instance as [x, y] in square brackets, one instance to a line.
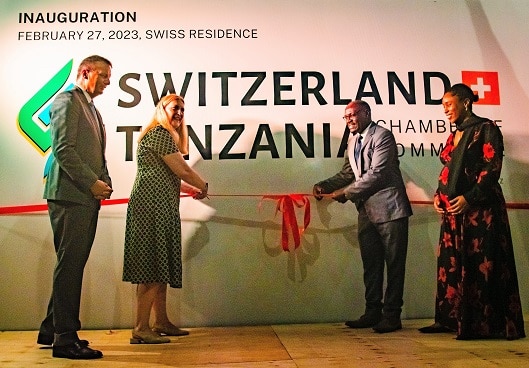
[284, 346]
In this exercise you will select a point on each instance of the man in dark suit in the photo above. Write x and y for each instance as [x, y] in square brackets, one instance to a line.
[371, 178]
[77, 182]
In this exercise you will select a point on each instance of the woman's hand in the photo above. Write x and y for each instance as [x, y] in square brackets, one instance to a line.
[193, 191]
[458, 205]
[201, 194]
[437, 205]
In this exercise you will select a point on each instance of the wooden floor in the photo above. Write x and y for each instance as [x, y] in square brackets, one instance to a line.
[303, 345]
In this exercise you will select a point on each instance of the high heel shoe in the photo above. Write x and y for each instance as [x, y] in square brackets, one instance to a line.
[148, 338]
[170, 330]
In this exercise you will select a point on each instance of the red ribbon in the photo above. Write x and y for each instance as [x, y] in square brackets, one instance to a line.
[44, 207]
[285, 205]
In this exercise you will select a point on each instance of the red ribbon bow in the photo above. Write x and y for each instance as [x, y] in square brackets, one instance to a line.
[285, 205]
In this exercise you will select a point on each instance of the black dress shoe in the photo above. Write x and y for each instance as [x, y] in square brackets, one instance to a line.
[366, 321]
[43, 339]
[388, 325]
[76, 351]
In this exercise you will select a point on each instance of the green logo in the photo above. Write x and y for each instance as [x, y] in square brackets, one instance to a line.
[33, 125]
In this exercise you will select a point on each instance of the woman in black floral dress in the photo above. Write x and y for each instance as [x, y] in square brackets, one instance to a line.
[152, 256]
[477, 285]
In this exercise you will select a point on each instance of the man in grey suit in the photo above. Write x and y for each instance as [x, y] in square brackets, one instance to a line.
[371, 178]
[77, 182]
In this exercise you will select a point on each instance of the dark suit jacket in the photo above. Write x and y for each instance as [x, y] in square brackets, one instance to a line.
[78, 149]
[376, 184]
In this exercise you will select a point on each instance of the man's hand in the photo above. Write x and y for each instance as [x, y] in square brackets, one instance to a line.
[101, 190]
[317, 192]
[339, 196]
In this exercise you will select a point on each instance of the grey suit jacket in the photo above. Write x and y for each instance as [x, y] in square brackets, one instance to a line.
[375, 183]
[78, 149]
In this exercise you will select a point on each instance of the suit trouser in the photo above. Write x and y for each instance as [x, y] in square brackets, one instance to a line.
[383, 244]
[74, 228]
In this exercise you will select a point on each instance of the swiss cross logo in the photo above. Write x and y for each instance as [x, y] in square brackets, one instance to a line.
[485, 85]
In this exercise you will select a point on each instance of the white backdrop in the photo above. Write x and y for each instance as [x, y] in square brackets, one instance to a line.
[305, 59]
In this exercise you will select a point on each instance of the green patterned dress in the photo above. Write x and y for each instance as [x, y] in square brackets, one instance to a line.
[153, 247]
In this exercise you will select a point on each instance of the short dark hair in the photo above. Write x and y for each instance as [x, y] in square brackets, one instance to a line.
[463, 92]
[90, 61]
[362, 103]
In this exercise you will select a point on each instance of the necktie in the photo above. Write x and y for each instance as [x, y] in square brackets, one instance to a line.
[358, 148]
[100, 128]
[93, 108]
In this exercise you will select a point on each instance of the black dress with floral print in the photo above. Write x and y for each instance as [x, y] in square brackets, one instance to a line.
[477, 285]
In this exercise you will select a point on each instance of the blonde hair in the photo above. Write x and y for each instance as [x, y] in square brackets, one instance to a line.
[180, 135]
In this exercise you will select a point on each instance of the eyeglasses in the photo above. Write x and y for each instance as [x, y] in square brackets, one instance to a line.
[350, 116]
